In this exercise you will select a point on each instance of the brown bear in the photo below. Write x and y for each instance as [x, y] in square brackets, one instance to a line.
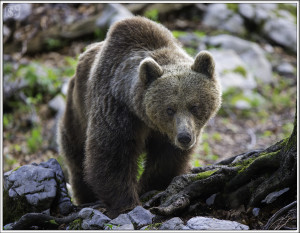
[137, 91]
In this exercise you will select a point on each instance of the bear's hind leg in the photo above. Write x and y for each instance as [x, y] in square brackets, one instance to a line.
[73, 153]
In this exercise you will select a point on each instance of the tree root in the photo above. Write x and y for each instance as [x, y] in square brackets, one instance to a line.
[41, 220]
[245, 179]
[278, 214]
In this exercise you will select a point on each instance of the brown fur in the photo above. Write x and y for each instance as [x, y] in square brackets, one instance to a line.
[136, 91]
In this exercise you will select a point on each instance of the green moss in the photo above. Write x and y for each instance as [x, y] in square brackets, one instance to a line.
[288, 7]
[14, 209]
[177, 34]
[153, 226]
[52, 44]
[16, 168]
[76, 224]
[200, 34]
[244, 164]
[99, 34]
[203, 175]
[52, 221]
[152, 14]
[233, 6]
[240, 70]
[110, 226]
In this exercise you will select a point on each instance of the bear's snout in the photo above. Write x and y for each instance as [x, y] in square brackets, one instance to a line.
[184, 138]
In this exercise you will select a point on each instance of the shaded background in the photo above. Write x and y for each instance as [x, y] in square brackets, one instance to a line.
[254, 46]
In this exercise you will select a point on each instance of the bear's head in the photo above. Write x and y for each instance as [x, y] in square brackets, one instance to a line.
[180, 99]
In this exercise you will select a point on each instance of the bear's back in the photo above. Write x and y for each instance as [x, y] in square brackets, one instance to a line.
[139, 33]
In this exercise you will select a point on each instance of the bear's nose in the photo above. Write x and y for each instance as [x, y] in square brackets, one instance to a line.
[184, 138]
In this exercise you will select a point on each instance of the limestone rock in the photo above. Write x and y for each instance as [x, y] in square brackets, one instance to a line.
[283, 32]
[228, 66]
[63, 200]
[140, 216]
[203, 223]
[173, 224]
[111, 14]
[220, 17]
[36, 184]
[122, 222]
[93, 219]
[251, 54]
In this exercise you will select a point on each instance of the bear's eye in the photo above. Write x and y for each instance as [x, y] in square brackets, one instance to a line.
[170, 111]
[194, 110]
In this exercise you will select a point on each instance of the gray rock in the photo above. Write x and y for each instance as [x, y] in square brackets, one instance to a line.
[17, 11]
[8, 226]
[282, 32]
[65, 87]
[173, 224]
[255, 211]
[257, 13]
[220, 17]
[63, 200]
[274, 195]
[227, 64]
[211, 199]
[140, 216]
[285, 68]
[124, 227]
[242, 105]
[203, 223]
[57, 103]
[36, 184]
[122, 222]
[93, 219]
[252, 55]
[43, 186]
[111, 14]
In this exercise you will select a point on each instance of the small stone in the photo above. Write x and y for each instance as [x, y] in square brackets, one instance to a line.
[255, 211]
[122, 222]
[65, 87]
[173, 224]
[242, 105]
[211, 199]
[85, 213]
[111, 14]
[274, 195]
[283, 32]
[122, 219]
[203, 223]
[285, 68]
[8, 226]
[93, 219]
[57, 103]
[140, 216]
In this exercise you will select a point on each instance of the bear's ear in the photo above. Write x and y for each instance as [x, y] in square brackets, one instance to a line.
[204, 64]
[149, 70]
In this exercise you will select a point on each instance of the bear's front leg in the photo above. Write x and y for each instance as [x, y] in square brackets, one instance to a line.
[112, 147]
[164, 161]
